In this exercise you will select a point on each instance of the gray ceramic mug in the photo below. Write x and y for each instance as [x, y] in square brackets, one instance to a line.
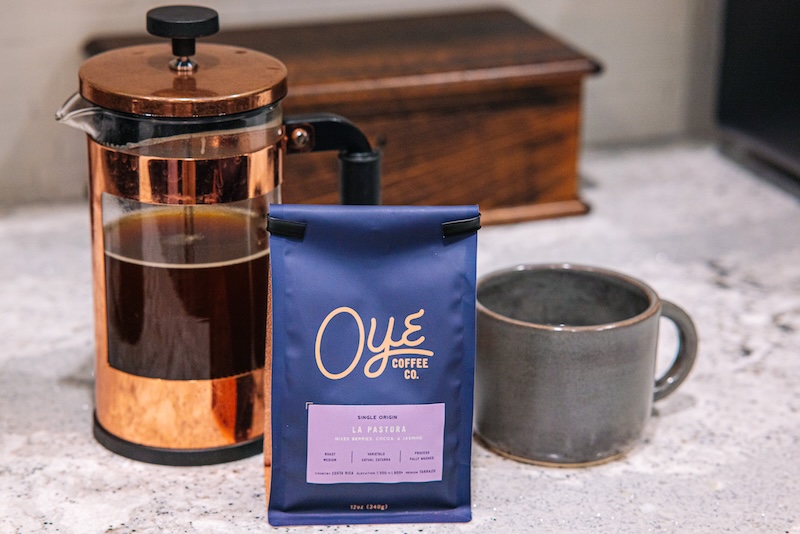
[566, 362]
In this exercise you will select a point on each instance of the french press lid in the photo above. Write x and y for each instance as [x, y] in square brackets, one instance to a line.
[207, 80]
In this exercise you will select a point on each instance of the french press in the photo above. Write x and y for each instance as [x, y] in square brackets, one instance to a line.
[185, 157]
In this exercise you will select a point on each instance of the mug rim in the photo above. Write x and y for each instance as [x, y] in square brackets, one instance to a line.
[653, 306]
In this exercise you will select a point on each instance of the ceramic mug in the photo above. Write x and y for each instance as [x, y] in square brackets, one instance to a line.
[566, 362]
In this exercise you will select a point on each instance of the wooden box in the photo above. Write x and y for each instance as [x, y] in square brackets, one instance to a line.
[468, 108]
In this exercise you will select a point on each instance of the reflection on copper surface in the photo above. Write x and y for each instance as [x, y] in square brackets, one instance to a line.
[138, 80]
[180, 414]
[161, 180]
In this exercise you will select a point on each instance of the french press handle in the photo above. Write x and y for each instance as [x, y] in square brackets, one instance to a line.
[359, 164]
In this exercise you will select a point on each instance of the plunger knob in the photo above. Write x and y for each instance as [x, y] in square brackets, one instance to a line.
[182, 24]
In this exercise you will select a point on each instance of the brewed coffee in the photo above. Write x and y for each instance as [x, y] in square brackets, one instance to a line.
[186, 293]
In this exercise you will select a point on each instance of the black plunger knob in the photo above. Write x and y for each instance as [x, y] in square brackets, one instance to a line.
[182, 24]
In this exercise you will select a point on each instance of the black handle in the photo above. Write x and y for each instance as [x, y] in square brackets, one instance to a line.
[359, 164]
[182, 24]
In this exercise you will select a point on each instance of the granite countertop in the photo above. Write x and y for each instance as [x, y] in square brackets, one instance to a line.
[720, 454]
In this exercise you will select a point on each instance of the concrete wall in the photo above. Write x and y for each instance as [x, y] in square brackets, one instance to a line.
[659, 59]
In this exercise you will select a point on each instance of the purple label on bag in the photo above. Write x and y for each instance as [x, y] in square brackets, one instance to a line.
[375, 443]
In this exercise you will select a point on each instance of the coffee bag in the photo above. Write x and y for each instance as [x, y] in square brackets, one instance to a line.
[373, 347]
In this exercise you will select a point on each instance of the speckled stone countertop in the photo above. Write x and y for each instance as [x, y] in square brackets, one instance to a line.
[720, 454]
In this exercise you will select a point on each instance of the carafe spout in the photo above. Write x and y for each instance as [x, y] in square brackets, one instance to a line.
[81, 114]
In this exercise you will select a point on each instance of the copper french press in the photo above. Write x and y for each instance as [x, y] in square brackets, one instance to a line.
[185, 156]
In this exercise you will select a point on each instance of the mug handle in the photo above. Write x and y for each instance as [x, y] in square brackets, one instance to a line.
[687, 350]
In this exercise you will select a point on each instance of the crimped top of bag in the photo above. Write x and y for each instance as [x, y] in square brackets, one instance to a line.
[358, 222]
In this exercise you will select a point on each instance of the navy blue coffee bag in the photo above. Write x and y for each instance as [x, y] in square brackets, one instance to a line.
[373, 352]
